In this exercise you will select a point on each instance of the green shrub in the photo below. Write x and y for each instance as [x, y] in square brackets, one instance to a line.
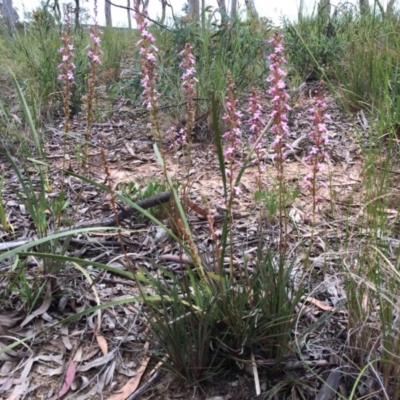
[239, 47]
[311, 44]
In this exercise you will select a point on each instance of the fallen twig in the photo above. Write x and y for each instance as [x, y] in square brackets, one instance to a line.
[126, 212]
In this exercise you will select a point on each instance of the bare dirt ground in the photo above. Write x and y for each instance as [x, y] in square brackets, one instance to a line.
[108, 349]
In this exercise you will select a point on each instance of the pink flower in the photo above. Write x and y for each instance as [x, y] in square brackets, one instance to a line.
[66, 65]
[96, 59]
[277, 141]
[189, 81]
[237, 190]
[317, 153]
[151, 58]
[233, 134]
[279, 95]
[148, 59]
[230, 151]
[94, 52]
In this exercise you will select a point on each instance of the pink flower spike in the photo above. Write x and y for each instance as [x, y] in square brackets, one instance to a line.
[233, 134]
[148, 60]
[317, 153]
[257, 123]
[66, 69]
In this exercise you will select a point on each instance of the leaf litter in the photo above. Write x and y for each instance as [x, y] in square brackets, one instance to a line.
[105, 355]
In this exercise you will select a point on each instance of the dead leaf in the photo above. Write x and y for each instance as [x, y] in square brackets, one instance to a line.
[10, 354]
[102, 344]
[78, 355]
[65, 336]
[319, 304]
[90, 354]
[329, 388]
[42, 370]
[16, 118]
[7, 321]
[23, 387]
[68, 379]
[6, 368]
[80, 382]
[14, 396]
[133, 383]
[109, 373]
[365, 302]
[96, 363]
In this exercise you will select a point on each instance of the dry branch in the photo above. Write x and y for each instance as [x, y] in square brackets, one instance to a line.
[126, 212]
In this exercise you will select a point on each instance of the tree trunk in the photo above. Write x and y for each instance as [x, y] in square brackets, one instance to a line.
[57, 11]
[223, 10]
[301, 10]
[222, 5]
[234, 9]
[128, 6]
[163, 11]
[364, 6]
[389, 8]
[251, 9]
[108, 14]
[324, 10]
[194, 10]
[77, 12]
[9, 15]
[203, 13]
[55, 7]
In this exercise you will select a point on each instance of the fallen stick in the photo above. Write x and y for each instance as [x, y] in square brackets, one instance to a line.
[125, 212]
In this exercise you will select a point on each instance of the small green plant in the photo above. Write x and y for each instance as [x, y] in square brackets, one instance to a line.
[40, 207]
[30, 289]
[270, 200]
[133, 192]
